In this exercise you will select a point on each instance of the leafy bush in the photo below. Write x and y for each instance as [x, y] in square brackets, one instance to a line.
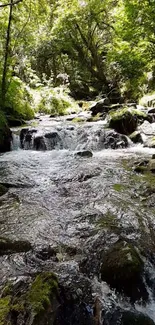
[55, 101]
[18, 100]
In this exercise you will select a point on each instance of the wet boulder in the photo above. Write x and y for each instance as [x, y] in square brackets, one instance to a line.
[135, 318]
[53, 140]
[102, 106]
[122, 268]
[39, 143]
[26, 136]
[126, 317]
[126, 120]
[136, 137]
[113, 140]
[8, 246]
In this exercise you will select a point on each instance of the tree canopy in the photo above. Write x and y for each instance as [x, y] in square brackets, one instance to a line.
[103, 47]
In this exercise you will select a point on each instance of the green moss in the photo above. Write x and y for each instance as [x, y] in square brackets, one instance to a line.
[4, 309]
[78, 119]
[116, 115]
[109, 221]
[119, 187]
[42, 291]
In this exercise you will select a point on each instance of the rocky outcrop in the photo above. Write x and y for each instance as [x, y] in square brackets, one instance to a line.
[122, 269]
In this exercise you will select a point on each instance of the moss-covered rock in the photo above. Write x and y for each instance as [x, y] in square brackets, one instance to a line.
[126, 120]
[32, 302]
[8, 246]
[122, 269]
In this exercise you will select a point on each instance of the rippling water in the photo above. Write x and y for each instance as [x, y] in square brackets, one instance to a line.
[59, 200]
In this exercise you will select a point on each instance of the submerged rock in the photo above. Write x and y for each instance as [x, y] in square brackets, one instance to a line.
[8, 246]
[3, 189]
[85, 153]
[122, 269]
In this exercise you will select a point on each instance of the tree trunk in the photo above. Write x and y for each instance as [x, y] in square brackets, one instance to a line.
[6, 55]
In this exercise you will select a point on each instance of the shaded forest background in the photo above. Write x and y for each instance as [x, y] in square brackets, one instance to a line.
[92, 48]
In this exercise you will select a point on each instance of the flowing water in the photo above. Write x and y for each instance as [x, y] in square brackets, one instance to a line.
[75, 207]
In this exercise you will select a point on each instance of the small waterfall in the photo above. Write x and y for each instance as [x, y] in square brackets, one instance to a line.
[15, 144]
[71, 137]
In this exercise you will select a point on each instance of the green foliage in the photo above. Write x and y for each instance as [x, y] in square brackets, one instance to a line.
[18, 100]
[55, 101]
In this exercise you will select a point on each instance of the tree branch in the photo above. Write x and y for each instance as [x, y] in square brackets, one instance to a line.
[10, 4]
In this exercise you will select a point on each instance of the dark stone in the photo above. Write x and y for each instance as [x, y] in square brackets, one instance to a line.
[85, 153]
[5, 139]
[102, 106]
[131, 318]
[122, 269]
[114, 140]
[53, 115]
[151, 110]
[136, 137]
[23, 132]
[13, 122]
[51, 135]
[39, 143]
[46, 253]
[126, 317]
[26, 135]
[3, 189]
[8, 246]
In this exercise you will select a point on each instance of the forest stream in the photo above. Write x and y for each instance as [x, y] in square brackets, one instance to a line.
[74, 199]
